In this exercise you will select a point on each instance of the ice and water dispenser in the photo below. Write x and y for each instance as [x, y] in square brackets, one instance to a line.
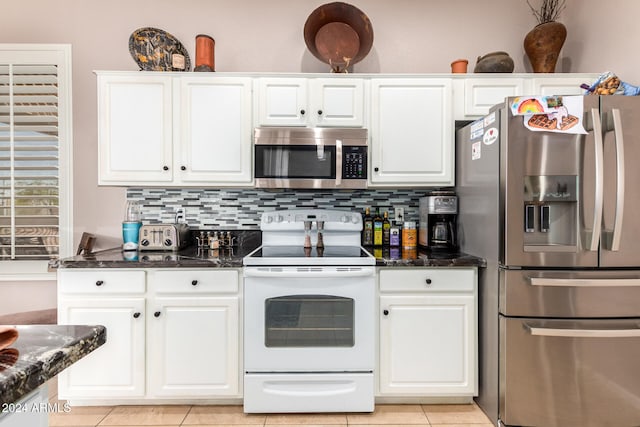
[550, 212]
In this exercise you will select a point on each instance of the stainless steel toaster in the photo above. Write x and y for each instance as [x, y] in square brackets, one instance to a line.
[163, 237]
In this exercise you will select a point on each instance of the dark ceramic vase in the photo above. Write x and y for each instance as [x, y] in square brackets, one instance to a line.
[494, 62]
[543, 45]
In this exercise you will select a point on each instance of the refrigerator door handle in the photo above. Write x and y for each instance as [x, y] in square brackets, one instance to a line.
[582, 333]
[617, 225]
[612, 283]
[599, 190]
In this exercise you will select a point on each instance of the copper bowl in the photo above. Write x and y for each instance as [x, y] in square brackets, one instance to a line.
[338, 34]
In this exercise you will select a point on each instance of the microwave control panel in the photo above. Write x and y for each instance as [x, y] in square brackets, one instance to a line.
[354, 162]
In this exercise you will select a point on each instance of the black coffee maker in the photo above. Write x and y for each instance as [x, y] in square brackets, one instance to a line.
[438, 221]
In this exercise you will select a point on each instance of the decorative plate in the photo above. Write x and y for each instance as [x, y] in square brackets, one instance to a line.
[156, 50]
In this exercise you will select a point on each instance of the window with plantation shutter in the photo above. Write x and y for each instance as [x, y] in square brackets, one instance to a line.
[34, 141]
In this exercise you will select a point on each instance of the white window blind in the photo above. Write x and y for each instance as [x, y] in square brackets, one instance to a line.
[29, 162]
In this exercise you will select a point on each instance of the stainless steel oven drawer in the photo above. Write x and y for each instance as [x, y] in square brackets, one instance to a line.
[570, 293]
[569, 372]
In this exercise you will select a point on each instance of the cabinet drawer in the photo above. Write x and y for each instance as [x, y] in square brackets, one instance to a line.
[101, 281]
[194, 281]
[428, 280]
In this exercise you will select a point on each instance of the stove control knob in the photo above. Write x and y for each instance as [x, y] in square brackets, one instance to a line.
[344, 218]
[279, 218]
[354, 219]
[144, 242]
[269, 219]
[167, 242]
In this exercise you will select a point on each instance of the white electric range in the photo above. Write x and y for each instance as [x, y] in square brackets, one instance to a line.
[309, 318]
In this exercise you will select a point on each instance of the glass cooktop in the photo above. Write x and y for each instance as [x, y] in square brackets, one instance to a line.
[298, 255]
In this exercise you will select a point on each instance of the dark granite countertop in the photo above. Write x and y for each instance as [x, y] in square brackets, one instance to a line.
[40, 353]
[189, 257]
[399, 257]
[248, 241]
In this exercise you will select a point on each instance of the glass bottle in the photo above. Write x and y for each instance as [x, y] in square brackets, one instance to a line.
[386, 229]
[367, 228]
[377, 229]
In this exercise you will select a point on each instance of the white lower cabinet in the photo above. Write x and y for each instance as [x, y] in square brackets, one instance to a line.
[170, 334]
[428, 332]
[193, 345]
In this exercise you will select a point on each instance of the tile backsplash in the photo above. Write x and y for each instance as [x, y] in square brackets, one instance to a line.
[241, 209]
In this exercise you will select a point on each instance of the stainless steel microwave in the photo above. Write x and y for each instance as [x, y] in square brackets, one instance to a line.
[290, 157]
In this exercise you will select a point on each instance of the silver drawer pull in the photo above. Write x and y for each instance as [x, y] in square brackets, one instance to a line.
[542, 281]
[583, 333]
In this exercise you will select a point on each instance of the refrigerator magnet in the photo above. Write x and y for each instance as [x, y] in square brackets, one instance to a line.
[490, 136]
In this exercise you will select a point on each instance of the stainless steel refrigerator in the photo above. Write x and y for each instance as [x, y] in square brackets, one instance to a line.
[557, 218]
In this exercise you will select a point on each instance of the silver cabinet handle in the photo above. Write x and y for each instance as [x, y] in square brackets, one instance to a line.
[544, 281]
[617, 225]
[582, 333]
[599, 190]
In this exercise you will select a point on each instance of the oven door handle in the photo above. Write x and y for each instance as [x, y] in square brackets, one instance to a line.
[594, 283]
[309, 272]
[582, 333]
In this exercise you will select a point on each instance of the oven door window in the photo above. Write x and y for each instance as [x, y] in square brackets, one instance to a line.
[295, 161]
[309, 321]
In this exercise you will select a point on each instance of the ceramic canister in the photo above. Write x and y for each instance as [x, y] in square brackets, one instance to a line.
[205, 57]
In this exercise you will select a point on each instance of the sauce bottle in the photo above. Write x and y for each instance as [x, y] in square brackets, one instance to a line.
[367, 228]
[377, 229]
[386, 229]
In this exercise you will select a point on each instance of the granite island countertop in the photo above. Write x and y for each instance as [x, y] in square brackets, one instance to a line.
[40, 353]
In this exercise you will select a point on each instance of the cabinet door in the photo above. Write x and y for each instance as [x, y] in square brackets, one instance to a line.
[561, 85]
[282, 102]
[412, 132]
[134, 129]
[215, 136]
[481, 94]
[337, 102]
[194, 346]
[427, 345]
[116, 369]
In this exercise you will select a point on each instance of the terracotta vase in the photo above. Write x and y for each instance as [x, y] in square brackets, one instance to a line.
[459, 66]
[543, 44]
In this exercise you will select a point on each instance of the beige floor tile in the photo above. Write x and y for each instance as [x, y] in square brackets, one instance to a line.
[462, 425]
[455, 414]
[391, 414]
[307, 419]
[221, 415]
[76, 416]
[146, 415]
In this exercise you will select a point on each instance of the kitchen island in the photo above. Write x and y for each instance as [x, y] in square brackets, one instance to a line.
[40, 353]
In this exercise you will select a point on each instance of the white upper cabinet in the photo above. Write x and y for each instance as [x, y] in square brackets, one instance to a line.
[215, 130]
[411, 137]
[482, 94]
[568, 85]
[174, 130]
[476, 94]
[337, 101]
[135, 129]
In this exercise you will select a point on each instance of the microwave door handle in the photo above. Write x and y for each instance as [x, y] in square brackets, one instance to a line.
[599, 190]
[338, 162]
[617, 225]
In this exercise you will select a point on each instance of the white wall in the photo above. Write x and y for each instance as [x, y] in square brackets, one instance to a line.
[410, 36]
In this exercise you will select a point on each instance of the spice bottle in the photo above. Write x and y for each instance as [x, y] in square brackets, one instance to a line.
[409, 235]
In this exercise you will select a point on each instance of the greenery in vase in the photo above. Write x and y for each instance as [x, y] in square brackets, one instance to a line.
[548, 11]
